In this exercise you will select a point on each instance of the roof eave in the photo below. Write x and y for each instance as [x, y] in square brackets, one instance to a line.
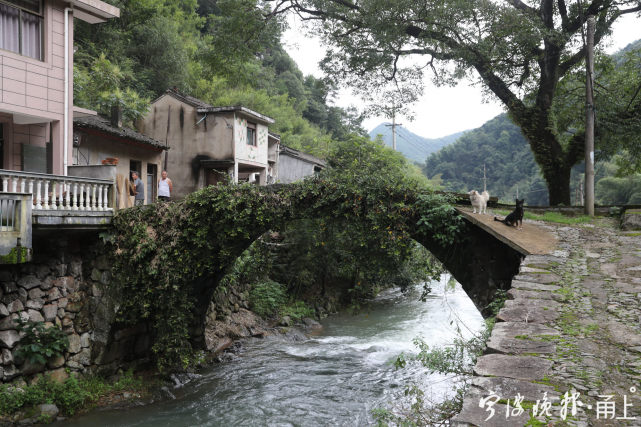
[244, 110]
[93, 11]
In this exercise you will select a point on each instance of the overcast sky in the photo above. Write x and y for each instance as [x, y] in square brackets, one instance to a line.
[441, 111]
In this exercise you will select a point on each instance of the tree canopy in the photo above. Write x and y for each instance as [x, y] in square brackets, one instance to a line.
[221, 51]
[518, 49]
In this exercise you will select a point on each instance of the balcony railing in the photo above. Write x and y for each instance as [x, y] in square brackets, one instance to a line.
[56, 192]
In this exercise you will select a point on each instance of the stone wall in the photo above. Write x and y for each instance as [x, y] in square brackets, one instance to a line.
[66, 284]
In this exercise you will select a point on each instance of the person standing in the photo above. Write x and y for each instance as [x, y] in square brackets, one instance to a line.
[139, 189]
[165, 187]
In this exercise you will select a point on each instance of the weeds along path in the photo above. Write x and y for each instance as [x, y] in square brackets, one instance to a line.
[571, 324]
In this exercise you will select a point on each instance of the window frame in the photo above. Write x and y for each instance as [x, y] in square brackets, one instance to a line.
[40, 15]
[252, 127]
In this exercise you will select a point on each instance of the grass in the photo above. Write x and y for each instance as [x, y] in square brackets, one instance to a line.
[71, 396]
[553, 217]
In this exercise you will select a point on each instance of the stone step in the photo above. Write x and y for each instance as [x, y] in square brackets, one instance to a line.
[504, 341]
[520, 284]
[545, 278]
[518, 367]
[530, 311]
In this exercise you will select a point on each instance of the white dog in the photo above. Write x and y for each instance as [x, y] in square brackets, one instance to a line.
[479, 201]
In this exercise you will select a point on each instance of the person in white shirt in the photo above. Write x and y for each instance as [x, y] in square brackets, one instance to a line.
[165, 187]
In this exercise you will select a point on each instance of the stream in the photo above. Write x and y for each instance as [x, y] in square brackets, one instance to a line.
[334, 378]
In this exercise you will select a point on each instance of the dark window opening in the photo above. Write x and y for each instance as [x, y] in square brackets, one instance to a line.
[135, 166]
[2, 166]
[251, 134]
[152, 182]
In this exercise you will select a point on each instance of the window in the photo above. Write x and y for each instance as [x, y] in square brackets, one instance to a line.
[251, 133]
[21, 23]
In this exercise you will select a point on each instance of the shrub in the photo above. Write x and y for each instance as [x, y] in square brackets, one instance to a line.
[69, 396]
[39, 343]
[297, 310]
[267, 297]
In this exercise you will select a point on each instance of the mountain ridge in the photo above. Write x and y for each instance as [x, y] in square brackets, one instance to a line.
[413, 146]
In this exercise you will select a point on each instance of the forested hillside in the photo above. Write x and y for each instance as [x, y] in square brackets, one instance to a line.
[508, 160]
[414, 147]
[190, 45]
[500, 145]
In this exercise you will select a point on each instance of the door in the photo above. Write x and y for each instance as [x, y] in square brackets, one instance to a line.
[152, 183]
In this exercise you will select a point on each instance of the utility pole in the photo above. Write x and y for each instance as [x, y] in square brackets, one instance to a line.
[393, 126]
[485, 179]
[589, 120]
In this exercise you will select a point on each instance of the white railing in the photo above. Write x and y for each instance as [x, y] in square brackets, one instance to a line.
[56, 192]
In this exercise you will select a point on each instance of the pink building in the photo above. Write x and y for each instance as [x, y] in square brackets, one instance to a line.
[36, 81]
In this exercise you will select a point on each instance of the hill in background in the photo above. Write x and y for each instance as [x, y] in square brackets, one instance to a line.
[412, 146]
[509, 163]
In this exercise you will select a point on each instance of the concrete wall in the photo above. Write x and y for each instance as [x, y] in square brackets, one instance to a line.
[292, 169]
[36, 88]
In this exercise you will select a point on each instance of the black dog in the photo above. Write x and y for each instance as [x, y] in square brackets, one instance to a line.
[515, 219]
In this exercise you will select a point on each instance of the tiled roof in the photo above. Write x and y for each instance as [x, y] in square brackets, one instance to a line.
[190, 100]
[202, 107]
[104, 125]
[300, 155]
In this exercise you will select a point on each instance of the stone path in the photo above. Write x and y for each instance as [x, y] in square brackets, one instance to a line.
[572, 323]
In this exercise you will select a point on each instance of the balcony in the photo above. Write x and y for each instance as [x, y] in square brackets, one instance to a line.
[63, 201]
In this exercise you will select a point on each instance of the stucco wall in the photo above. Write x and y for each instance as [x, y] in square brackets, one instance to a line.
[292, 169]
[96, 148]
[244, 151]
[189, 142]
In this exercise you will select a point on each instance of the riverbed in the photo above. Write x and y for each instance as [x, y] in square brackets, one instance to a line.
[334, 378]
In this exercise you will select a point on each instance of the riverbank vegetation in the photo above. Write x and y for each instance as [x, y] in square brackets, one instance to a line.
[71, 396]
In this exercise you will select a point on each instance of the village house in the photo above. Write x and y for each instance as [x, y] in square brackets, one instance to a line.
[36, 96]
[294, 165]
[216, 144]
[104, 148]
[36, 119]
[209, 144]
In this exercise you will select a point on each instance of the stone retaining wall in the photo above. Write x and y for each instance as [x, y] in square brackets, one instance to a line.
[66, 284]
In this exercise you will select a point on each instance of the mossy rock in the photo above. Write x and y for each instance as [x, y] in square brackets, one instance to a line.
[631, 220]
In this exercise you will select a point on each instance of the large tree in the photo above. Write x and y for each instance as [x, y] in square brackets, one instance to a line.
[518, 49]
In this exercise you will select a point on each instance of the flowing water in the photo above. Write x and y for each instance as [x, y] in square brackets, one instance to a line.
[334, 378]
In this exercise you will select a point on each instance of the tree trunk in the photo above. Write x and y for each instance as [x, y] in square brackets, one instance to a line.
[554, 160]
[558, 183]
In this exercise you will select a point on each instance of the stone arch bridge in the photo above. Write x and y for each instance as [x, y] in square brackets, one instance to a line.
[210, 229]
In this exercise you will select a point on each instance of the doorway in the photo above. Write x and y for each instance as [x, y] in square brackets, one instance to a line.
[152, 179]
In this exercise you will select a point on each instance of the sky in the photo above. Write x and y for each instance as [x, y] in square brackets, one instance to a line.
[442, 110]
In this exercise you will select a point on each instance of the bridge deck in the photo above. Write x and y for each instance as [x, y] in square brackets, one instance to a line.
[531, 240]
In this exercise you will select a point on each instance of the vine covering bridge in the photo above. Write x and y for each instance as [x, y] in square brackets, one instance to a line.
[178, 252]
